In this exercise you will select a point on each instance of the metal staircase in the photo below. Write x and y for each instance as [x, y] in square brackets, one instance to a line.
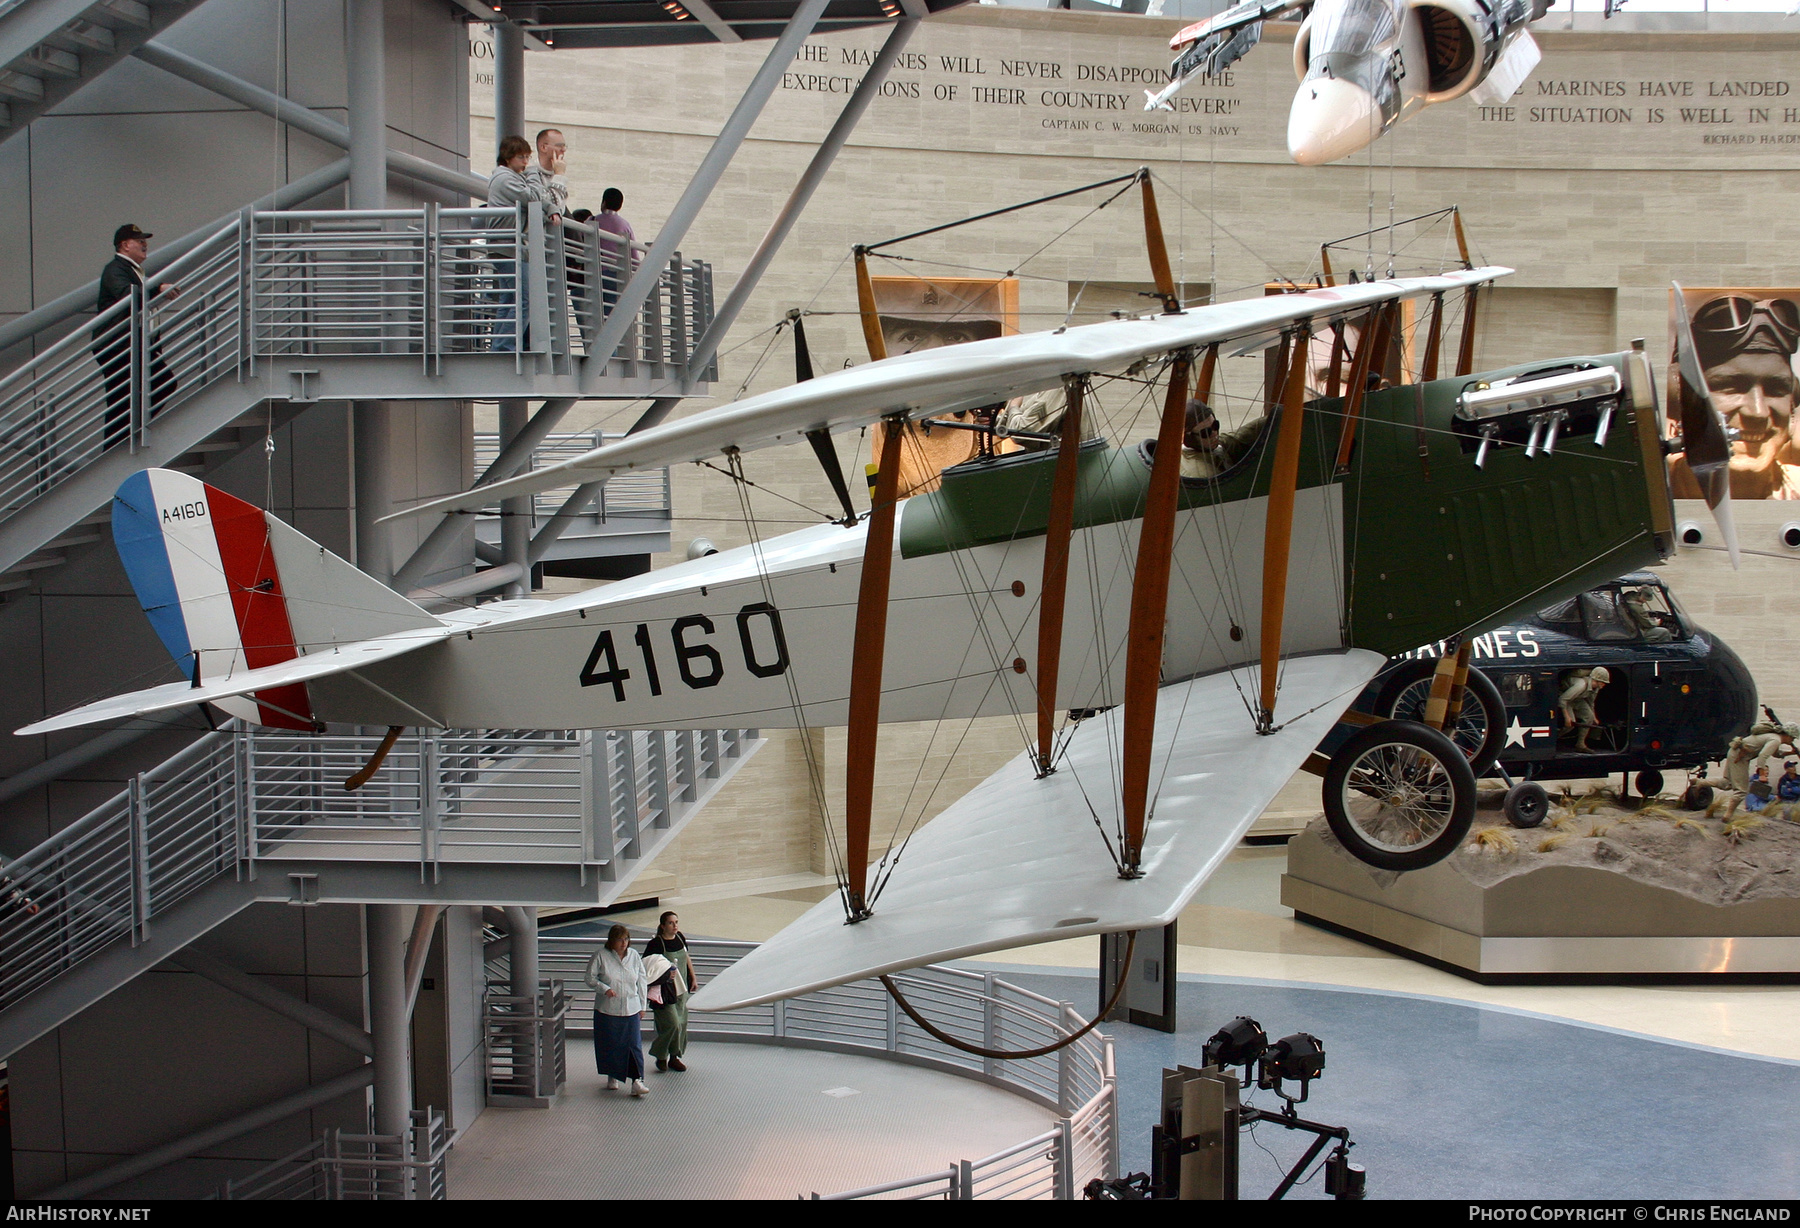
[298, 307]
[241, 817]
[51, 48]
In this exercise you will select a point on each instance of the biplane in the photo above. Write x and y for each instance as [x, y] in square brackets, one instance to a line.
[1175, 649]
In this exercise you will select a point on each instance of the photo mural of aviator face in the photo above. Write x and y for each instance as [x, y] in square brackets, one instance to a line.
[924, 313]
[1746, 341]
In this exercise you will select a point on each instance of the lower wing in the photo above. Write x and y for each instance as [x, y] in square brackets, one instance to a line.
[1018, 860]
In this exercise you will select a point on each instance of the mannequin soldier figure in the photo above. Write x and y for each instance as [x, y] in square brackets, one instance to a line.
[1637, 608]
[1578, 696]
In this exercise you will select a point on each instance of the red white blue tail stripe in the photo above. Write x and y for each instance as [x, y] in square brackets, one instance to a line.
[204, 569]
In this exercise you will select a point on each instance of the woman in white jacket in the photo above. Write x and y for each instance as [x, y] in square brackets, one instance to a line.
[616, 975]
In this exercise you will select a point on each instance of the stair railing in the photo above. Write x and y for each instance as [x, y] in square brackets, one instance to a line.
[237, 798]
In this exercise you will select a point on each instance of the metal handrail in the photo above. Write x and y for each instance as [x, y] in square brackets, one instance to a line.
[433, 283]
[238, 797]
[1078, 1081]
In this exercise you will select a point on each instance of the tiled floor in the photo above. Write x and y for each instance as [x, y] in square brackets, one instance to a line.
[745, 1121]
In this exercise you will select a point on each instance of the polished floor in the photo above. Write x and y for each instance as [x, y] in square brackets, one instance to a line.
[744, 1121]
[1451, 1089]
[1451, 1100]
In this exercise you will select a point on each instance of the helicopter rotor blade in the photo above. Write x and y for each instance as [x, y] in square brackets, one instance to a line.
[1703, 436]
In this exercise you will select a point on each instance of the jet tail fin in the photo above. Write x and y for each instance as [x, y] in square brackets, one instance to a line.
[230, 588]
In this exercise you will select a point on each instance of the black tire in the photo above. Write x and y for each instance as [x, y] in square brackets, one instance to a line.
[1527, 804]
[1480, 728]
[1697, 797]
[1399, 795]
[1648, 782]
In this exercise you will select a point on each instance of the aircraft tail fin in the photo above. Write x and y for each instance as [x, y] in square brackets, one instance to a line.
[229, 587]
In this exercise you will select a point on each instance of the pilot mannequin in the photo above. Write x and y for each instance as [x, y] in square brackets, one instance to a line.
[1578, 696]
[1206, 451]
[1637, 608]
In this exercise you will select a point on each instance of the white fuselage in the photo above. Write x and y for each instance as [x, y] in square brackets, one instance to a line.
[1362, 70]
[763, 636]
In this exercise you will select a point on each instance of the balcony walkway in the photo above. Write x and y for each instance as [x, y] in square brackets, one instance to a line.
[746, 1121]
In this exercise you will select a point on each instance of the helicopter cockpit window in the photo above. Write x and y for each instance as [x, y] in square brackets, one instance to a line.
[1649, 609]
[1563, 612]
[1604, 618]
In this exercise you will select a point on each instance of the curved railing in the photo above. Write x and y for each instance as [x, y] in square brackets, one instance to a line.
[1077, 1081]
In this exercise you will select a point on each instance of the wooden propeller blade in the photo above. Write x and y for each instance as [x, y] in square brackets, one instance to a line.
[1284, 475]
[1055, 590]
[375, 760]
[865, 672]
[1149, 609]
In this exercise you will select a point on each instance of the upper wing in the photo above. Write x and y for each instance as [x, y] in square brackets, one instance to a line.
[1018, 859]
[948, 380]
[339, 659]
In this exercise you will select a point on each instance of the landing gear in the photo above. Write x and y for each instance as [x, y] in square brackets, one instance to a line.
[1697, 797]
[1479, 729]
[1649, 783]
[1527, 804]
[1399, 795]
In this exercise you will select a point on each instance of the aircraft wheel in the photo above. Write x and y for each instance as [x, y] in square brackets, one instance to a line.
[1527, 804]
[1399, 795]
[1697, 797]
[1480, 727]
[1649, 782]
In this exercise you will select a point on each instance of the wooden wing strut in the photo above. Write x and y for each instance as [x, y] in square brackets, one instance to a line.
[1284, 475]
[1149, 608]
[865, 673]
[1053, 596]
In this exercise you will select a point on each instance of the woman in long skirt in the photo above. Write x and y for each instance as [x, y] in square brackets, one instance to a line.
[616, 975]
[671, 1014]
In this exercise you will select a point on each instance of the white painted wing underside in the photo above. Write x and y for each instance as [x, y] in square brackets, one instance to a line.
[951, 379]
[1018, 860]
[300, 669]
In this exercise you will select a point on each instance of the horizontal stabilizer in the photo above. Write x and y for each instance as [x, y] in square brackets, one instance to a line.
[949, 380]
[1018, 860]
[336, 660]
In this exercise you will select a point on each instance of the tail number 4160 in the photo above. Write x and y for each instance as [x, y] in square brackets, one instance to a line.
[700, 665]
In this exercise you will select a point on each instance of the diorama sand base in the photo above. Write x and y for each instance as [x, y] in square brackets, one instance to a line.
[1599, 889]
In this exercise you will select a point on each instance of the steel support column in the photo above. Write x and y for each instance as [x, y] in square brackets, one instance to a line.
[699, 188]
[523, 927]
[515, 514]
[509, 81]
[387, 926]
[365, 55]
[372, 460]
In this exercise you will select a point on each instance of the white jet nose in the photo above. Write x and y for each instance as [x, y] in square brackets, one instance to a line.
[1330, 119]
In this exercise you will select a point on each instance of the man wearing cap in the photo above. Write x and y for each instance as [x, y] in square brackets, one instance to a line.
[112, 340]
[1580, 690]
[1746, 350]
[1637, 609]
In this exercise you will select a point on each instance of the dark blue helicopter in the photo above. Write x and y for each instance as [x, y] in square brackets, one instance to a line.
[1676, 697]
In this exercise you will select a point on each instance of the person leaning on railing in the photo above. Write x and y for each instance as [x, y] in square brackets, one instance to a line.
[508, 188]
[112, 341]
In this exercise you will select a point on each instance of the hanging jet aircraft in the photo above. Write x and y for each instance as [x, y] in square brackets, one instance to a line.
[1366, 65]
[1222, 625]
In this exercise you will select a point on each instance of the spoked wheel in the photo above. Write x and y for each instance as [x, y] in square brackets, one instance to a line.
[1399, 795]
[1479, 729]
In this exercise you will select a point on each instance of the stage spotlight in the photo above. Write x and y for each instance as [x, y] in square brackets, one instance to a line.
[1238, 1043]
[1299, 1058]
